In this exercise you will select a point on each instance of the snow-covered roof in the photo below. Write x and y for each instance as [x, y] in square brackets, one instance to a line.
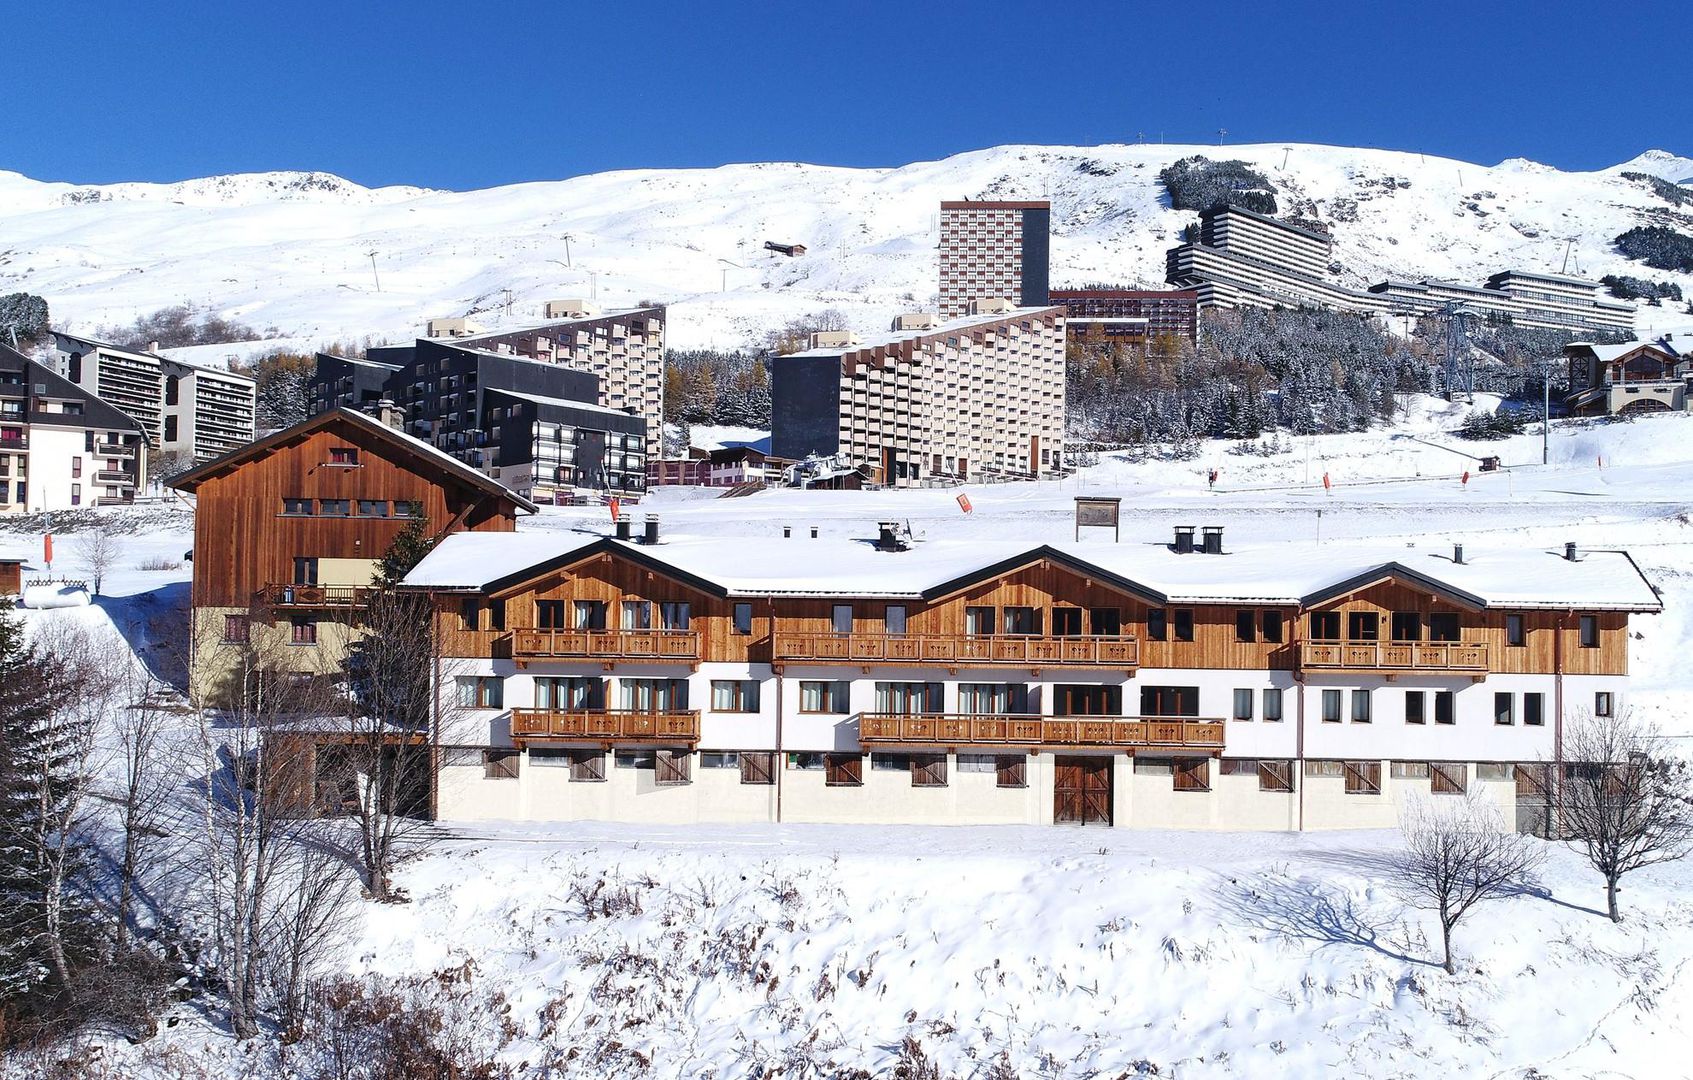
[1271, 574]
[554, 324]
[951, 326]
[569, 403]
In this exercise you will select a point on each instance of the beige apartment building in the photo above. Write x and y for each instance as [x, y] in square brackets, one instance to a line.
[992, 250]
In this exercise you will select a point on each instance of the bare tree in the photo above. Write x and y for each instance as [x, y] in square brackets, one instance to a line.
[144, 779]
[1623, 801]
[1458, 852]
[98, 549]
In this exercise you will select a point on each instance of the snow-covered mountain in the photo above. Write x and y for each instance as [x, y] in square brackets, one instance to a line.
[295, 251]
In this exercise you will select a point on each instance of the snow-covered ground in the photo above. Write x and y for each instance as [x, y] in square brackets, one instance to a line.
[323, 260]
[720, 951]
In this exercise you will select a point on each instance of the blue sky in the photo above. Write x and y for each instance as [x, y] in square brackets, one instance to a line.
[471, 94]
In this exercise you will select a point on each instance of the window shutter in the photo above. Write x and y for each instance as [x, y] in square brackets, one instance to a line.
[1447, 778]
[587, 765]
[928, 770]
[1363, 777]
[844, 770]
[758, 767]
[1275, 776]
[1011, 770]
[671, 766]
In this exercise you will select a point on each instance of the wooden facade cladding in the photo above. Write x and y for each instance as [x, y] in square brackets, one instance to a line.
[955, 730]
[245, 545]
[803, 630]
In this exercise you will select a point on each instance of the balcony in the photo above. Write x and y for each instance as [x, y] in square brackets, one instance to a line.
[315, 596]
[1392, 657]
[114, 476]
[607, 725]
[114, 450]
[959, 650]
[958, 729]
[678, 646]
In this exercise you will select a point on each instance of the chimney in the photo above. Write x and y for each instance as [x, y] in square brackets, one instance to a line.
[1184, 539]
[787, 532]
[891, 536]
[1213, 535]
[625, 528]
[814, 532]
[1458, 554]
[1569, 551]
[649, 534]
[390, 414]
[152, 346]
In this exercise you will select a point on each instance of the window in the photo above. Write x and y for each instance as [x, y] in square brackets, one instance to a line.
[840, 618]
[1602, 702]
[1169, 701]
[235, 629]
[496, 614]
[743, 618]
[1363, 626]
[1360, 706]
[1445, 707]
[734, 695]
[76, 467]
[1409, 770]
[908, 698]
[1407, 626]
[1534, 709]
[806, 762]
[1448, 778]
[334, 507]
[1243, 704]
[1067, 622]
[1105, 622]
[1022, 620]
[1192, 774]
[893, 619]
[1325, 626]
[675, 615]
[589, 614]
[550, 614]
[76, 494]
[979, 621]
[1325, 769]
[1011, 771]
[408, 510]
[499, 764]
[671, 766]
[1154, 766]
[1590, 631]
[480, 691]
[1331, 706]
[843, 770]
[1495, 770]
[975, 763]
[302, 630]
[634, 759]
[817, 696]
[758, 767]
[719, 759]
[1504, 711]
[297, 507]
[1184, 624]
[343, 455]
[1443, 626]
[1245, 625]
[1514, 630]
[373, 508]
[549, 757]
[569, 693]
[470, 614]
[653, 695]
[636, 615]
[890, 763]
[928, 770]
[1271, 622]
[305, 571]
[993, 699]
[1157, 624]
[1272, 706]
[1414, 705]
[1362, 777]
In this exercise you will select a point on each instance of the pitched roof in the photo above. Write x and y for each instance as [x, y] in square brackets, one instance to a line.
[409, 444]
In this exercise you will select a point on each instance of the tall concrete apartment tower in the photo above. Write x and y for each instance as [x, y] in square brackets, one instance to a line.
[994, 251]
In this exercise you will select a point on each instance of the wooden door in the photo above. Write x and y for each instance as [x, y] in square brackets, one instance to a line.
[1534, 799]
[1081, 790]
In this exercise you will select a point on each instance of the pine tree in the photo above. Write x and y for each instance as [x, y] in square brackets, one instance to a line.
[410, 545]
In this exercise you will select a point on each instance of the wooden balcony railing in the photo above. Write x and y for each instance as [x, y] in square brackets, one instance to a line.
[958, 729]
[1395, 655]
[663, 645]
[609, 725]
[963, 649]
[315, 596]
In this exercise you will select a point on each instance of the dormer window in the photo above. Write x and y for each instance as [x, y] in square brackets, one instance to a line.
[344, 455]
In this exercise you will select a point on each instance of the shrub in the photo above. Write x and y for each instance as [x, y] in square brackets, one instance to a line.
[1488, 427]
[1663, 189]
[1658, 247]
[1198, 183]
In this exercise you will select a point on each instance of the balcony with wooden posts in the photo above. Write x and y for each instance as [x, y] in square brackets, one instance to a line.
[671, 727]
[607, 646]
[1027, 730]
[1394, 657]
[316, 596]
[1034, 651]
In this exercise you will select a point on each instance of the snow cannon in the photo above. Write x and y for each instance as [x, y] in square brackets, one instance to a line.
[56, 595]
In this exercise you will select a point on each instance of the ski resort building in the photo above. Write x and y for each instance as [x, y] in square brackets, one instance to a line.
[994, 250]
[1129, 316]
[975, 397]
[1627, 379]
[763, 679]
[189, 413]
[288, 531]
[62, 447]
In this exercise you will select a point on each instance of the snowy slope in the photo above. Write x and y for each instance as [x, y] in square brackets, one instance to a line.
[293, 250]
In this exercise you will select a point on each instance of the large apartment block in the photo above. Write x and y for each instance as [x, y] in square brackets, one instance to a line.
[751, 678]
[62, 447]
[994, 251]
[973, 397]
[534, 425]
[1129, 316]
[189, 413]
[623, 349]
[1245, 259]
